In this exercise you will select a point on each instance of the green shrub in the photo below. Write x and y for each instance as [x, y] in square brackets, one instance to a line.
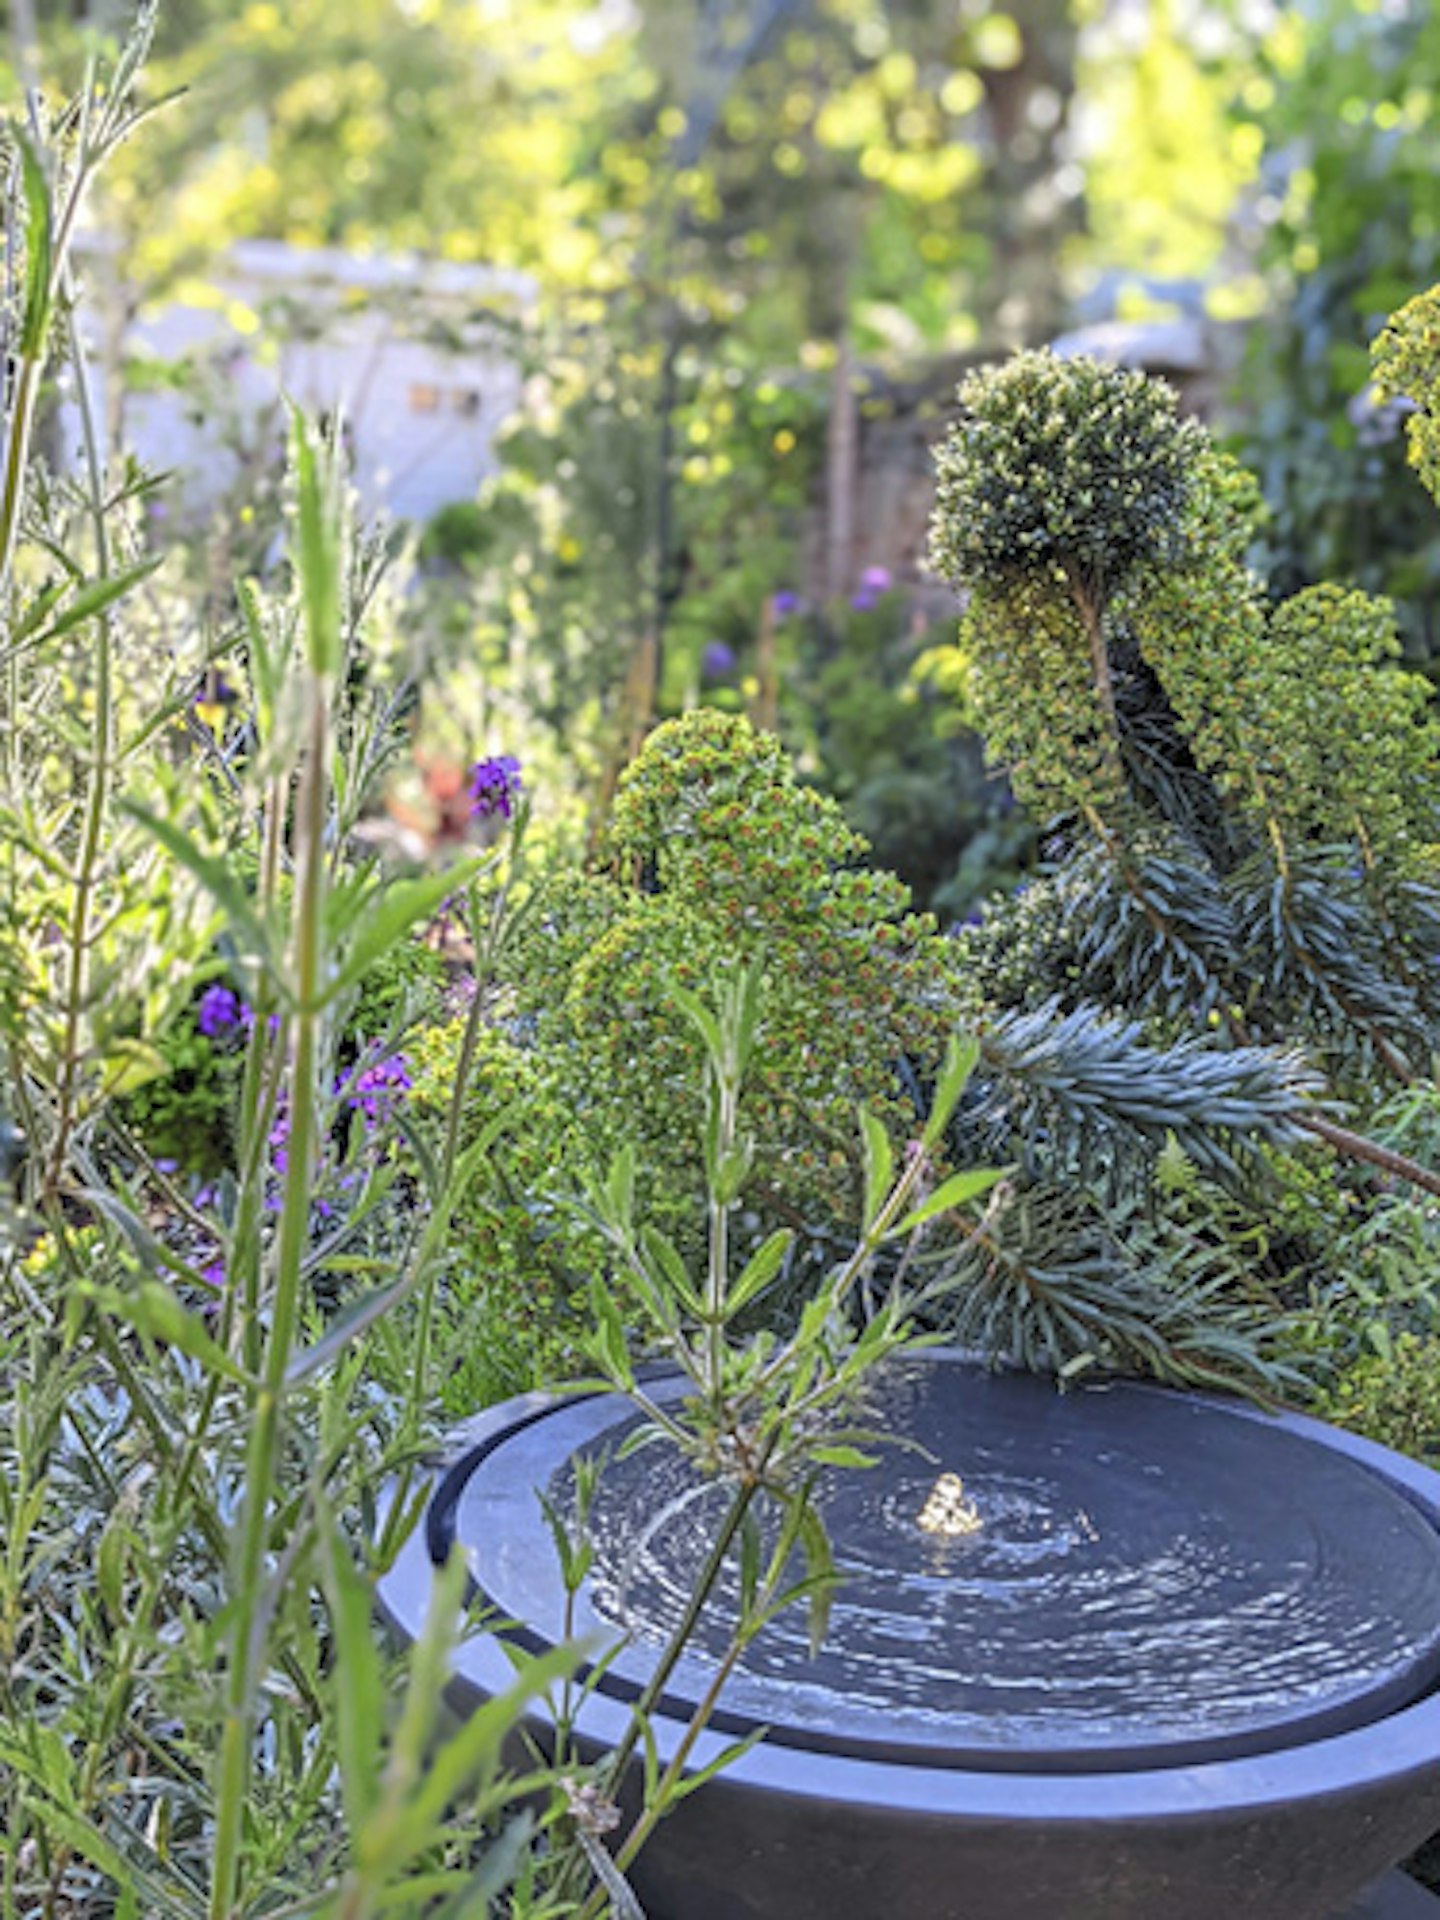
[719, 857]
[1244, 856]
[1393, 1398]
[186, 1114]
[516, 1258]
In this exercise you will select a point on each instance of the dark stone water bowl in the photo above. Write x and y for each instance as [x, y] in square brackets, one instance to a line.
[1117, 1654]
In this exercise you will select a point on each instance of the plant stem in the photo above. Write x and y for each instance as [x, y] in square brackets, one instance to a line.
[262, 1454]
[1356, 1146]
[1088, 607]
[675, 1646]
[97, 802]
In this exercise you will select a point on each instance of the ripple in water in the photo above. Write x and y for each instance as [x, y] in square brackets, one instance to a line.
[1229, 1584]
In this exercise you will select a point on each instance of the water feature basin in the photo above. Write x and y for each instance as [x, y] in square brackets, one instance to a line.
[1120, 1652]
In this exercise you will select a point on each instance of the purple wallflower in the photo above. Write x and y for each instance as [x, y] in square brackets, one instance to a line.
[278, 1140]
[862, 602]
[373, 1091]
[876, 580]
[494, 786]
[717, 662]
[784, 603]
[220, 1011]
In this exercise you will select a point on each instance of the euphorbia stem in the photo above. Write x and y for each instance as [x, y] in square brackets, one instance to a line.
[266, 1431]
[1088, 606]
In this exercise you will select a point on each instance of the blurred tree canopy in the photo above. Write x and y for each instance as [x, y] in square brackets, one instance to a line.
[739, 215]
[1345, 108]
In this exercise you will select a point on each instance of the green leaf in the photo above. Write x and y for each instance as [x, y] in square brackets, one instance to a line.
[666, 1265]
[318, 545]
[744, 1015]
[39, 247]
[36, 614]
[265, 668]
[503, 1858]
[609, 1343]
[110, 1563]
[703, 1021]
[639, 1438]
[960, 1057]
[348, 1324]
[215, 876]
[820, 1565]
[402, 904]
[129, 1064]
[620, 1188]
[573, 1553]
[357, 1683]
[86, 605]
[151, 1309]
[958, 1191]
[761, 1269]
[750, 1546]
[737, 1750]
[841, 1456]
[732, 1172]
[477, 1747]
[879, 1164]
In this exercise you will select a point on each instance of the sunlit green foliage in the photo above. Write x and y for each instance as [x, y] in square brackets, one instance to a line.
[1065, 467]
[1407, 367]
[1392, 1398]
[1346, 101]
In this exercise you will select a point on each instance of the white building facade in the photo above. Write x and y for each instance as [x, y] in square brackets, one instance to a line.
[417, 357]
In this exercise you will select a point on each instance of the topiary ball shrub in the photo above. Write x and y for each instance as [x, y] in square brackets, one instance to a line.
[1060, 463]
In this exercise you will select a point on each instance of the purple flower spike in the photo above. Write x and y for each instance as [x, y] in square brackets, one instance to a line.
[374, 1090]
[220, 1011]
[862, 602]
[784, 603]
[213, 1272]
[278, 1140]
[717, 662]
[494, 787]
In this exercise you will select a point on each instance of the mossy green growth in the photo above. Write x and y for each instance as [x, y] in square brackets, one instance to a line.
[1393, 1398]
[1298, 712]
[187, 1113]
[517, 1252]
[1061, 480]
[1103, 542]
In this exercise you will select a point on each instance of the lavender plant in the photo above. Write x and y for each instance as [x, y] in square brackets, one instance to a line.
[195, 1715]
